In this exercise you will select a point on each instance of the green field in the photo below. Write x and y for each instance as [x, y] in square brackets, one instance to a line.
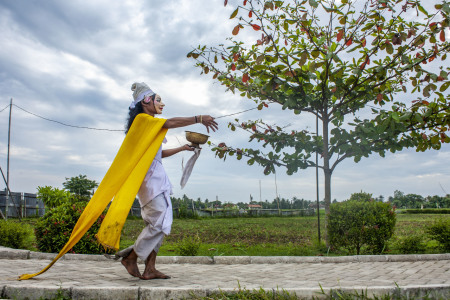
[270, 235]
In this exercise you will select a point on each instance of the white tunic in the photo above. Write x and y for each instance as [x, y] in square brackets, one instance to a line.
[157, 182]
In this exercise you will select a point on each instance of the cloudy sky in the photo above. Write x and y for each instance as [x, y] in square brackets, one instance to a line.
[74, 62]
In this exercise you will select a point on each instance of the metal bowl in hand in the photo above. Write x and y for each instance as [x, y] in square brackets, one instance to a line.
[196, 138]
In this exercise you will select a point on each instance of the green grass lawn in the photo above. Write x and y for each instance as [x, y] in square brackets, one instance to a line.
[267, 236]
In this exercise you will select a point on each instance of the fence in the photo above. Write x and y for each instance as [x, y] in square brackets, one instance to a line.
[180, 213]
[25, 204]
[135, 209]
[28, 205]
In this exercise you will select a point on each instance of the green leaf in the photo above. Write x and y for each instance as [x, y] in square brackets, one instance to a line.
[303, 58]
[426, 91]
[389, 48]
[420, 7]
[433, 39]
[313, 3]
[395, 116]
[444, 86]
[234, 14]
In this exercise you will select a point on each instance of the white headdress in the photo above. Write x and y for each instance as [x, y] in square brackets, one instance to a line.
[140, 90]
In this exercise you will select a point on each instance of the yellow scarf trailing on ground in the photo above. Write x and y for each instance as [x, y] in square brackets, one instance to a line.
[121, 182]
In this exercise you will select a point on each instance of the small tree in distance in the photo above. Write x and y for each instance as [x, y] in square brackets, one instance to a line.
[340, 61]
[80, 185]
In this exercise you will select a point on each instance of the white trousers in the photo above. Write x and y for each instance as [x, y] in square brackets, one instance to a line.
[152, 235]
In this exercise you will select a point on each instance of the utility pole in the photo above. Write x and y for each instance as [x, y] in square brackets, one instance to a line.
[260, 200]
[10, 198]
[317, 181]
[7, 156]
[276, 194]
[2, 215]
[9, 143]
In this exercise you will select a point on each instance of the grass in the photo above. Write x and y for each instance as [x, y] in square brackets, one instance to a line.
[261, 294]
[266, 236]
[241, 293]
[269, 236]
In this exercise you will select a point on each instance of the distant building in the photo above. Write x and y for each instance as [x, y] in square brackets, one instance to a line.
[254, 206]
[230, 206]
[314, 205]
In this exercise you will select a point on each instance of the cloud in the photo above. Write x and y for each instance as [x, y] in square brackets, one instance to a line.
[74, 62]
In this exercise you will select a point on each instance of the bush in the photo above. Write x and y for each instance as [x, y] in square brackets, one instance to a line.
[440, 231]
[361, 224]
[53, 197]
[54, 228]
[411, 244]
[188, 246]
[15, 235]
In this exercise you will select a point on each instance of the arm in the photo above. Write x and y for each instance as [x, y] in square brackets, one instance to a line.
[170, 152]
[206, 120]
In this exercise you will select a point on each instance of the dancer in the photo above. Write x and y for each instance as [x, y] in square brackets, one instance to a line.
[154, 193]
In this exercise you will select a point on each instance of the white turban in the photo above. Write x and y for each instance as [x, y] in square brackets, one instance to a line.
[140, 90]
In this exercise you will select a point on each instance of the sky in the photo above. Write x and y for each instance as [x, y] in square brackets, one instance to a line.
[75, 61]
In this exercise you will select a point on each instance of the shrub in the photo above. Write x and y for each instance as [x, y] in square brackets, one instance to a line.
[440, 231]
[53, 197]
[188, 246]
[54, 228]
[15, 235]
[411, 244]
[358, 224]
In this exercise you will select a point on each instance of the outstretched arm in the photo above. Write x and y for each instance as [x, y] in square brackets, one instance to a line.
[206, 120]
[170, 152]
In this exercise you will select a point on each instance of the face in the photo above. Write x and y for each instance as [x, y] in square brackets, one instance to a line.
[156, 106]
[159, 105]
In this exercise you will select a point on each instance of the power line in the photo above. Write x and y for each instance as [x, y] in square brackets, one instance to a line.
[4, 108]
[106, 129]
[101, 129]
[236, 113]
[68, 125]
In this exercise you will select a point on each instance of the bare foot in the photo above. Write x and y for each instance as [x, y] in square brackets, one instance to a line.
[154, 275]
[131, 266]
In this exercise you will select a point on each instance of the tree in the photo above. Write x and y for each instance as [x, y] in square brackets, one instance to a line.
[345, 62]
[80, 185]
[361, 196]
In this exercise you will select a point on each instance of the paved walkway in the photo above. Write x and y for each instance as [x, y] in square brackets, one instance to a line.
[95, 277]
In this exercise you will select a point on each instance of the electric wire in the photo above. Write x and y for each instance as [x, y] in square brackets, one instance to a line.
[236, 113]
[114, 130]
[100, 129]
[5, 108]
[68, 125]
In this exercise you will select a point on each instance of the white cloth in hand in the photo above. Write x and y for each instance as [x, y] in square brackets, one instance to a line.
[189, 166]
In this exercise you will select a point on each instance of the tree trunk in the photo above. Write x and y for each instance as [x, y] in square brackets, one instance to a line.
[327, 173]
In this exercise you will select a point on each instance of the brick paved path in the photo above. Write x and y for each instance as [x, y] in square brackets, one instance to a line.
[107, 279]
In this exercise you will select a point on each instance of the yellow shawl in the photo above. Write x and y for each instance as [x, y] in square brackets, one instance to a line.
[121, 182]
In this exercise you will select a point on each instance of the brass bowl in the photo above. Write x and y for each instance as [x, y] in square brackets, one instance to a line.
[196, 138]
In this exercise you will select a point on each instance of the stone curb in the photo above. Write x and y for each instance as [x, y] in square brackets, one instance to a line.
[110, 292]
[8, 253]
